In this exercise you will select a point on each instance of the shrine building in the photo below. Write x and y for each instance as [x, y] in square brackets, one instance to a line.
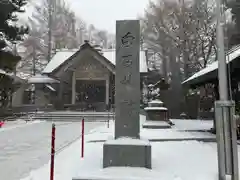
[81, 77]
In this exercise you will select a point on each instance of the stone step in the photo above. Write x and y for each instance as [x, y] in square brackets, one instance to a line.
[73, 117]
[70, 114]
[72, 120]
[67, 117]
[156, 125]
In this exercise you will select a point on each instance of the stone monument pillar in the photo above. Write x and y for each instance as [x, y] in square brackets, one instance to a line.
[127, 149]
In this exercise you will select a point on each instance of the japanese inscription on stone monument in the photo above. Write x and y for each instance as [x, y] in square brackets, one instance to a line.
[126, 60]
[127, 79]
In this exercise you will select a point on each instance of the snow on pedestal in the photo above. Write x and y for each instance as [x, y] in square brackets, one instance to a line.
[155, 108]
[127, 141]
[155, 103]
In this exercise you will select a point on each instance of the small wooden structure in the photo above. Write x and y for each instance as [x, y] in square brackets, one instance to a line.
[209, 76]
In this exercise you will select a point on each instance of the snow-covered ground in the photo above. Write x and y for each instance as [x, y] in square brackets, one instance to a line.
[180, 160]
[185, 160]
[26, 146]
[179, 131]
[10, 125]
[192, 124]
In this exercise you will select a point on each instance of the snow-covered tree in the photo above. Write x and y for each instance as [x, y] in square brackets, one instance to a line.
[180, 34]
[10, 34]
[235, 11]
[35, 54]
[68, 31]
[101, 37]
[187, 30]
[63, 23]
[81, 31]
[64, 32]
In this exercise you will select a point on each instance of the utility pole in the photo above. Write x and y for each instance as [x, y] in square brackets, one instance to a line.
[224, 111]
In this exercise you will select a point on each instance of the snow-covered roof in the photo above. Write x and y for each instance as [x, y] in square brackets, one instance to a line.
[233, 54]
[61, 56]
[41, 79]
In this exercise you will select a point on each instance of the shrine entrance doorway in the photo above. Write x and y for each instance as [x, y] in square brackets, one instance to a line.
[90, 91]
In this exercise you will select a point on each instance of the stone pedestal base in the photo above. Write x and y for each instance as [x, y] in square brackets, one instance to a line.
[127, 152]
[156, 125]
[157, 115]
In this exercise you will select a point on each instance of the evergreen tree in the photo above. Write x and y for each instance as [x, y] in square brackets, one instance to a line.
[9, 34]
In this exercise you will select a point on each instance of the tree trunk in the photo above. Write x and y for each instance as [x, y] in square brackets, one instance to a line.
[164, 68]
[176, 87]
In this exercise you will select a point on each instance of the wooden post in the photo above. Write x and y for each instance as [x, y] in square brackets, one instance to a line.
[52, 152]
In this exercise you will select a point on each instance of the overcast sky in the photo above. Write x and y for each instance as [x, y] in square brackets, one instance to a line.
[103, 13]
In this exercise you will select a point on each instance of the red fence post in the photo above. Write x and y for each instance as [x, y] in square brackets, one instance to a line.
[108, 123]
[108, 119]
[82, 149]
[52, 152]
[1, 123]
